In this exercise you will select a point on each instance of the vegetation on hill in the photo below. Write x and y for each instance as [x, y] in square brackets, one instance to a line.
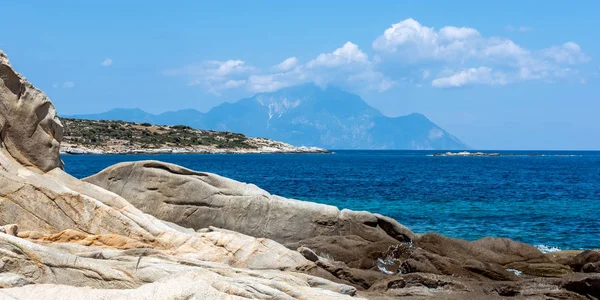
[90, 133]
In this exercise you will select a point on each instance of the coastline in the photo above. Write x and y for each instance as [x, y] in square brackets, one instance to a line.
[77, 150]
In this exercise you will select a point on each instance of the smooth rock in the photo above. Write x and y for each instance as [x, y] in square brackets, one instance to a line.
[198, 200]
[11, 229]
[31, 131]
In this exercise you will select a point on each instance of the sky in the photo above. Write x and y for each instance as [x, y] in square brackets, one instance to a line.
[496, 74]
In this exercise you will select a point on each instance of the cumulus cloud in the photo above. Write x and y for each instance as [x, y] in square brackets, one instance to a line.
[348, 54]
[478, 59]
[407, 52]
[107, 62]
[411, 42]
[481, 75]
[287, 64]
[567, 53]
[346, 66]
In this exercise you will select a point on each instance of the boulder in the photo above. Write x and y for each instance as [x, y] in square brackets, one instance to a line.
[198, 200]
[487, 257]
[580, 260]
[583, 284]
[592, 267]
[31, 131]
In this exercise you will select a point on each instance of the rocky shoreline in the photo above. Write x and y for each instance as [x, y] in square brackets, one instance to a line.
[153, 230]
[76, 150]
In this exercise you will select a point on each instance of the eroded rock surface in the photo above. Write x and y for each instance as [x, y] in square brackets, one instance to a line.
[198, 200]
[68, 230]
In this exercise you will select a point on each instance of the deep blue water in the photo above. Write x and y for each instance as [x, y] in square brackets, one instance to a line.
[551, 200]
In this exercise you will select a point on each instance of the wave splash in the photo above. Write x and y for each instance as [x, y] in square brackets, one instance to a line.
[547, 249]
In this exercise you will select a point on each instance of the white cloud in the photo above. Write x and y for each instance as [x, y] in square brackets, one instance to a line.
[409, 43]
[567, 53]
[346, 66]
[215, 75]
[455, 33]
[502, 48]
[287, 64]
[481, 75]
[407, 52]
[230, 84]
[348, 54]
[107, 62]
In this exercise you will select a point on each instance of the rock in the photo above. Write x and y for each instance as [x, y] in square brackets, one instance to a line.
[197, 284]
[388, 284]
[540, 269]
[592, 267]
[165, 191]
[308, 254]
[562, 257]
[488, 257]
[31, 131]
[583, 284]
[492, 250]
[428, 286]
[11, 229]
[9, 280]
[82, 235]
[583, 258]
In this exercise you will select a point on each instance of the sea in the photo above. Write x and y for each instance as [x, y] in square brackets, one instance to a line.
[550, 199]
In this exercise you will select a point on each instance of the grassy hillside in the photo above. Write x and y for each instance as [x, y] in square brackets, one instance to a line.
[88, 133]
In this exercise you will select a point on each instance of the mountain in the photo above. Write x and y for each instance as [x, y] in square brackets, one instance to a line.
[306, 115]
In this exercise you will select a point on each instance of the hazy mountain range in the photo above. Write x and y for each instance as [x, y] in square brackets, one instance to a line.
[305, 115]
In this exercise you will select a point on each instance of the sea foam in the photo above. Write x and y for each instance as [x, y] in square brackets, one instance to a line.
[547, 249]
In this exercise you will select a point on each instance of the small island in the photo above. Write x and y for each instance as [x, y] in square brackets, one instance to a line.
[119, 137]
[466, 153]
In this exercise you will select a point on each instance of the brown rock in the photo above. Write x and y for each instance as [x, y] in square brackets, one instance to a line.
[592, 267]
[583, 284]
[308, 254]
[540, 269]
[584, 258]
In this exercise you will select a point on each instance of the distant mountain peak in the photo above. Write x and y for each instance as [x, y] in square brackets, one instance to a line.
[308, 115]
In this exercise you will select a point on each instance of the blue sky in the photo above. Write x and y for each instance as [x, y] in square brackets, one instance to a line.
[502, 75]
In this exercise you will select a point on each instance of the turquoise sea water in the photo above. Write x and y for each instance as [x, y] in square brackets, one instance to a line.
[542, 198]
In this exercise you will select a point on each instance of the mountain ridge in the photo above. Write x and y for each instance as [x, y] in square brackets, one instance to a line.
[305, 115]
